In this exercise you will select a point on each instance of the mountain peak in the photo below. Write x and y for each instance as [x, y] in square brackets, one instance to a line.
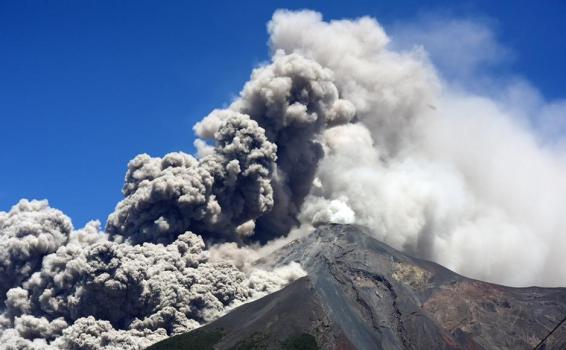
[362, 294]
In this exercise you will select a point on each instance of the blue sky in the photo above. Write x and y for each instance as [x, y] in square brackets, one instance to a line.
[85, 86]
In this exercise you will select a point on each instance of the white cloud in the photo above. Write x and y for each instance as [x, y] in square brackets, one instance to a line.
[437, 166]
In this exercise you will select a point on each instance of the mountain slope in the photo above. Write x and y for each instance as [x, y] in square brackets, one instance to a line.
[275, 321]
[363, 294]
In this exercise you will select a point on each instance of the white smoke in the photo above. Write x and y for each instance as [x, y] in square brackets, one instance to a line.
[342, 126]
[449, 175]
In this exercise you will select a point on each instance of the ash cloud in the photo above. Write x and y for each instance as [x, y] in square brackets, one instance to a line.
[215, 194]
[30, 231]
[474, 182]
[294, 99]
[339, 127]
[94, 293]
[255, 174]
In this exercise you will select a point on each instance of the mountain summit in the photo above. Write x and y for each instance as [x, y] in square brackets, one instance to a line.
[362, 294]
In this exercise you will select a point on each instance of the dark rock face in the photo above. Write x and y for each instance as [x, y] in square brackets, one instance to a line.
[363, 294]
[282, 320]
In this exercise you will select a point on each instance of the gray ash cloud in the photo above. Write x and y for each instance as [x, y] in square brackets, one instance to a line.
[93, 293]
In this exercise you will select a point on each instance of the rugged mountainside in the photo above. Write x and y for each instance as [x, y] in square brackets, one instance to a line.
[363, 294]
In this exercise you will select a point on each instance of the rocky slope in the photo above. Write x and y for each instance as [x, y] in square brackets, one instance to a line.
[363, 294]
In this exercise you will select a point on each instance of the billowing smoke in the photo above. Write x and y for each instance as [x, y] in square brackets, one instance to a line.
[30, 231]
[216, 194]
[261, 164]
[93, 293]
[294, 99]
[338, 127]
[467, 180]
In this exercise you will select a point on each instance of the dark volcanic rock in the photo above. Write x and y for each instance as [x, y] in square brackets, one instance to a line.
[291, 314]
[363, 294]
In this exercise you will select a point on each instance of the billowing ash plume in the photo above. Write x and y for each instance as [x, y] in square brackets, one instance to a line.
[216, 194]
[30, 231]
[244, 175]
[339, 127]
[430, 167]
[294, 99]
[93, 293]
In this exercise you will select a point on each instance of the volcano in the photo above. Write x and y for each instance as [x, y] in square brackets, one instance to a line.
[362, 294]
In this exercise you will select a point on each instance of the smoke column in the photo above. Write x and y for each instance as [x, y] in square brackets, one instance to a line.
[341, 126]
[433, 169]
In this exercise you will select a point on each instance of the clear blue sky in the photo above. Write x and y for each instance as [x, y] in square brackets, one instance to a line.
[87, 85]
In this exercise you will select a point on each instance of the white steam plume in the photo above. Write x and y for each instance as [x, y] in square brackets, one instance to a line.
[446, 174]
